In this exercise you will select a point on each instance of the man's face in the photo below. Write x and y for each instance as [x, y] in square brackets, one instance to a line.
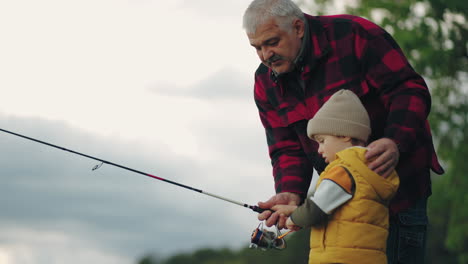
[277, 48]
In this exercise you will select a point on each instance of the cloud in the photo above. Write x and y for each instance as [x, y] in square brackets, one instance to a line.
[53, 247]
[54, 197]
[225, 84]
[218, 10]
[205, 134]
[230, 127]
[228, 130]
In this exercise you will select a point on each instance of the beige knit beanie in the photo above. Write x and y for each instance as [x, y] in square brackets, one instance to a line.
[342, 115]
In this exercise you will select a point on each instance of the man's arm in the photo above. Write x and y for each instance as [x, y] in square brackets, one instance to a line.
[402, 91]
[292, 171]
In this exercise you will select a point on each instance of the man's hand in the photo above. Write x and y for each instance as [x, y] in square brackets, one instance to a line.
[275, 217]
[384, 155]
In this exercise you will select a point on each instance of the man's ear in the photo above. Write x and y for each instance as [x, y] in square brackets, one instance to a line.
[299, 27]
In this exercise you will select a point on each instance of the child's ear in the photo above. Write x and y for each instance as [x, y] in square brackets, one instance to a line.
[346, 139]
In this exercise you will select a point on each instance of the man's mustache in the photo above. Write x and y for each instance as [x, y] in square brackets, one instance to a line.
[274, 58]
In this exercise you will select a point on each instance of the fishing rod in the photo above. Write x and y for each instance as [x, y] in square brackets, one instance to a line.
[252, 207]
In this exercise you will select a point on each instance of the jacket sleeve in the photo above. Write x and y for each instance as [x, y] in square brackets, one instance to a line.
[403, 92]
[292, 171]
[309, 214]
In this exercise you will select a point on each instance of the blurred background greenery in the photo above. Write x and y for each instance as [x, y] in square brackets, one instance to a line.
[433, 34]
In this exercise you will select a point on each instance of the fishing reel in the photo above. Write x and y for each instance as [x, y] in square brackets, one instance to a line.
[265, 239]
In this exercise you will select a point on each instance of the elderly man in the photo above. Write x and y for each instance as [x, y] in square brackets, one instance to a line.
[305, 59]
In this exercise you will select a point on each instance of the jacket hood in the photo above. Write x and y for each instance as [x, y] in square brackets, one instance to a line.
[385, 188]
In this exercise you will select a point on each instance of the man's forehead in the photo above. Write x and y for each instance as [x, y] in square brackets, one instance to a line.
[264, 32]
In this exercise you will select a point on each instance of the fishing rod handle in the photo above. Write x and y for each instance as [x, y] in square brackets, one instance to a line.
[259, 210]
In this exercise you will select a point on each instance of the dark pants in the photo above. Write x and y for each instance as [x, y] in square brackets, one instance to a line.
[406, 243]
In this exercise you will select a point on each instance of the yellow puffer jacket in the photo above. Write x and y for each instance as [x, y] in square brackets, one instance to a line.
[357, 231]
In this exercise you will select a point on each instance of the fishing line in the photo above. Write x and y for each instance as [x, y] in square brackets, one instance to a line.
[252, 207]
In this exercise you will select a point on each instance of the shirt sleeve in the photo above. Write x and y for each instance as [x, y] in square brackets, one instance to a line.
[335, 189]
[313, 184]
[292, 171]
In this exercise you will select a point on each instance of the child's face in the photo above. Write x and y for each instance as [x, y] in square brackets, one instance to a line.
[330, 145]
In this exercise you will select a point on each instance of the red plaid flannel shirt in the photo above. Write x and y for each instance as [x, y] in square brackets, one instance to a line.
[347, 52]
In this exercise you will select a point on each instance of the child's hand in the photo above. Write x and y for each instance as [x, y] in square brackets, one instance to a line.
[285, 210]
[291, 226]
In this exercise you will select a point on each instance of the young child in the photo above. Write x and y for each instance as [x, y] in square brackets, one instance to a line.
[348, 211]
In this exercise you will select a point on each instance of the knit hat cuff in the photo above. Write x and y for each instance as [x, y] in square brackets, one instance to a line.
[337, 127]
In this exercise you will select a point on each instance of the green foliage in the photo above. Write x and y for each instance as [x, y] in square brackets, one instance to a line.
[297, 252]
[150, 259]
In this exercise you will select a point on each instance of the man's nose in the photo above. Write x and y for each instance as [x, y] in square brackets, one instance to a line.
[266, 54]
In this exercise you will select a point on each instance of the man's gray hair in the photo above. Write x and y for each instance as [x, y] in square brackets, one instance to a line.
[261, 11]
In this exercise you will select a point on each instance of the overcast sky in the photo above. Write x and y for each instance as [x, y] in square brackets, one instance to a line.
[164, 87]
